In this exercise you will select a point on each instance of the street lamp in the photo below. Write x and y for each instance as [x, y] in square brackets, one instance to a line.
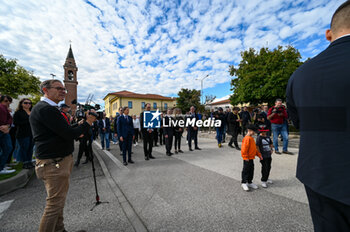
[202, 86]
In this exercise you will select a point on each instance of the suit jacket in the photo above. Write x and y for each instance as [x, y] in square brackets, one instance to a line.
[190, 117]
[319, 104]
[125, 126]
[169, 129]
[233, 126]
[144, 130]
[116, 124]
[245, 116]
[101, 126]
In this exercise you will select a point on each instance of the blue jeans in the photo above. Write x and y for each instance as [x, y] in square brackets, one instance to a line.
[5, 149]
[25, 149]
[104, 136]
[219, 133]
[114, 139]
[278, 129]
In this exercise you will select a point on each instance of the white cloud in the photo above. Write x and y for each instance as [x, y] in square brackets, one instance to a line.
[154, 46]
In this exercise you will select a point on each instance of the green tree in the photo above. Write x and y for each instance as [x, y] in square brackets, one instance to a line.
[16, 80]
[35, 98]
[188, 98]
[262, 77]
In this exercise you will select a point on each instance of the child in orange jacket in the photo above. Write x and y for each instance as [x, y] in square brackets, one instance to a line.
[249, 151]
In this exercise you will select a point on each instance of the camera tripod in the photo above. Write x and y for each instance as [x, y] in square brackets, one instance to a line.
[98, 202]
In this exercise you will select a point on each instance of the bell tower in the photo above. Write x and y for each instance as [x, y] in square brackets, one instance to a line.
[70, 79]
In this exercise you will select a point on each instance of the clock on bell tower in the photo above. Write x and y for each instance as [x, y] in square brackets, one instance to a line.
[70, 79]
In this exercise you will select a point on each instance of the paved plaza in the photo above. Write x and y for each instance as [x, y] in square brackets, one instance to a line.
[193, 191]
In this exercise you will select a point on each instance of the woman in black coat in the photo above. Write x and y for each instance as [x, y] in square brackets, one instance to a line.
[24, 136]
[234, 127]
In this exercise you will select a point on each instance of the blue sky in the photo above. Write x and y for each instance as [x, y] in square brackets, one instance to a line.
[155, 46]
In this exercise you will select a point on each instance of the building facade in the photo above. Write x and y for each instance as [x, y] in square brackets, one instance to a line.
[136, 102]
[70, 80]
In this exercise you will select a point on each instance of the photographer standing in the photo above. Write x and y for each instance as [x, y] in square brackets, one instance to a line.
[277, 114]
[85, 146]
[54, 140]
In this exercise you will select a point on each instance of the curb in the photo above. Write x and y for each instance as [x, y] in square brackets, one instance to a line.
[129, 211]
[16, 182]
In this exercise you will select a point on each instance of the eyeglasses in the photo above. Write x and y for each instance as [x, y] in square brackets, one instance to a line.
[59, 89]
[26, 103]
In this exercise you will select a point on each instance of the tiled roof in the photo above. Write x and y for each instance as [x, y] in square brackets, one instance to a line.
[220, 102]
[125, 93]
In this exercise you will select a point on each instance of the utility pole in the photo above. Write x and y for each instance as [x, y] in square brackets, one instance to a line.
[202, 86]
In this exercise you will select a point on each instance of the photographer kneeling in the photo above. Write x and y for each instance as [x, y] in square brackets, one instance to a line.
[54, 140]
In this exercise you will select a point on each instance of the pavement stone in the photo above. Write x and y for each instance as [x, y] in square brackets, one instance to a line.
[200, 191]
[25, 212]
[16, 182]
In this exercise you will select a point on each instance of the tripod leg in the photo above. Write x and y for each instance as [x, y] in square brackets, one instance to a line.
[95, 183]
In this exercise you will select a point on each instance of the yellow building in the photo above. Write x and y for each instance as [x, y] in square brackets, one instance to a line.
[136, 102]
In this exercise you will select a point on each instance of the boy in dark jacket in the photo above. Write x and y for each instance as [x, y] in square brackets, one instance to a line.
[265, 147]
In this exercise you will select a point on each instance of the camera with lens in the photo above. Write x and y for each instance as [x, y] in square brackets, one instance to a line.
[256, 110]
[277, 110]
[82, 108]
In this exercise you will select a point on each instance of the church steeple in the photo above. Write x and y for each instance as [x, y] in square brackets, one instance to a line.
[70, 79]
[70, 53]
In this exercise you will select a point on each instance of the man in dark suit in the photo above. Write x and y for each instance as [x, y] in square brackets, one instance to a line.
[147, 134]
[319, 104]
[116, 127]
[192, 130]
[125, 131]
[246, 120]
[104, 126]
[168, 132]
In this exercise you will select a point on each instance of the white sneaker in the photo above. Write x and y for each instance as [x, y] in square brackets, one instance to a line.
[252, 185]
[135, 145]
[269, 181]
[263, 184]
[245, 187]
[2, 172]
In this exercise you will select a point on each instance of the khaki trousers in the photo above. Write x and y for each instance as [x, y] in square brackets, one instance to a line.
[56, 180]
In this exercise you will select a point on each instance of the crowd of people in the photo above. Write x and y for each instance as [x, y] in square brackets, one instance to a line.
[16, 140]
[323, 162]
[126, 130]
